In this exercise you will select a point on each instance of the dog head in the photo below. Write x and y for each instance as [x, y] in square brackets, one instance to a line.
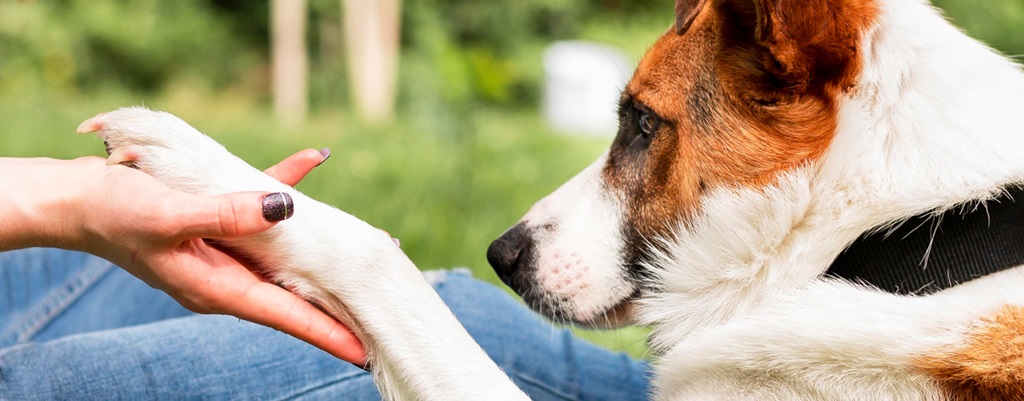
[735, 95]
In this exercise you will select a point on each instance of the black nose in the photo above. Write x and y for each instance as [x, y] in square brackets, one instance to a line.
[509, 252]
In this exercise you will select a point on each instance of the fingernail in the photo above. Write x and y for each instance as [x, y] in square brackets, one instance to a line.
[277, 206]
[327, 155]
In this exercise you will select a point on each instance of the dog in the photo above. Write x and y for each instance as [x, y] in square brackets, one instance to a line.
[758, 140]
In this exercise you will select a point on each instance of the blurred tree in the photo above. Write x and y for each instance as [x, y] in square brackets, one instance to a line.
[289, 60]
[372, 38]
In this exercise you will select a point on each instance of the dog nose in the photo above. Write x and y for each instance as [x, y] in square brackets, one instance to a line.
[506, 253]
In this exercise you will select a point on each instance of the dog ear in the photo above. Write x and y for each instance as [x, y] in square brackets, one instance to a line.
[686, 12]
[810, 41]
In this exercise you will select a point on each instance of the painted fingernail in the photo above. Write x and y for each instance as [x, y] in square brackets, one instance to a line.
[277, 206]
[327, 155]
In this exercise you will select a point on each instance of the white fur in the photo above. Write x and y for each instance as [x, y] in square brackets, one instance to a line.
[742, 311]
[417, 349]
[578, 255]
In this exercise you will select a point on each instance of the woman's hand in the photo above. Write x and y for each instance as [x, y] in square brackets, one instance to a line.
[156, 233]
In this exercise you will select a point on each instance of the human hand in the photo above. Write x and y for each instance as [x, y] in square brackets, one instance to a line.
[156, 233]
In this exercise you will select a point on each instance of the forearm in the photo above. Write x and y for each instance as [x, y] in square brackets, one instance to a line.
[36, 203]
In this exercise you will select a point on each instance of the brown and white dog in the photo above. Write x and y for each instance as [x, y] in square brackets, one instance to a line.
[758, 139]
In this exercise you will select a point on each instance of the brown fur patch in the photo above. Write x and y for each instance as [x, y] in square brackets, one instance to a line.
[814, 42]
[747, 92]
[990, 366]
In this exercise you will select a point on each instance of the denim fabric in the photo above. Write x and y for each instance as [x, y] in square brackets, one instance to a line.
[73, 327]
[47, 294]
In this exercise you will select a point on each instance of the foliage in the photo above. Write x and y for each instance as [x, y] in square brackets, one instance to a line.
[67, 45]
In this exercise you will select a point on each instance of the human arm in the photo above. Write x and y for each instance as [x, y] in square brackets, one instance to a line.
[156, 234]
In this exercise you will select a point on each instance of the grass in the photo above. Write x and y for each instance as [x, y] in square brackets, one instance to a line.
[446, 193]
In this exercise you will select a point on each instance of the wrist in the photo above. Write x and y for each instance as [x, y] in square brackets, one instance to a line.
[38, 204]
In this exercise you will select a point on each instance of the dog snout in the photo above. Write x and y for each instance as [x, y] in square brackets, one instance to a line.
[508, 253]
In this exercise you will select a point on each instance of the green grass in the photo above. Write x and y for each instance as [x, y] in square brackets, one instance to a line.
[446, 193]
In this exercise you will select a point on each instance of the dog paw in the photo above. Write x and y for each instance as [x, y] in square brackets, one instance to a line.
[169, 149]
[172, 151]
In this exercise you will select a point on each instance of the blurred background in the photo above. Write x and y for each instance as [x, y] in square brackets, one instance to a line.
[438, 112]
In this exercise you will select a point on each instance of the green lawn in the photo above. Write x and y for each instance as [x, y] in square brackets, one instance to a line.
[445, 192]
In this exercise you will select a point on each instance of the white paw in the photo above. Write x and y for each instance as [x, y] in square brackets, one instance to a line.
[183, 158]
[174, 152]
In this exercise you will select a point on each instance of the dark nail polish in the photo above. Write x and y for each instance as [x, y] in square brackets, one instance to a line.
[327, 155]
[277, 206]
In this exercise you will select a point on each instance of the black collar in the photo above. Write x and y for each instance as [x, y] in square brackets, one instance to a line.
[967, 244]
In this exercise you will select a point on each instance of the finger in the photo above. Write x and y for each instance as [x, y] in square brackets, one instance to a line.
[294, 168]
[273, 306]
[231, 215]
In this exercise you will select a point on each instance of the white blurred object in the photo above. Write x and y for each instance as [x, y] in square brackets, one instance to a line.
[582, 82]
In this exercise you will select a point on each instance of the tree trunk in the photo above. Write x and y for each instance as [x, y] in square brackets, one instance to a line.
[372, 38]
[289, 58]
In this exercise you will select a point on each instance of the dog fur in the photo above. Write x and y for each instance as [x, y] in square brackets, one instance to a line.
[758, 139]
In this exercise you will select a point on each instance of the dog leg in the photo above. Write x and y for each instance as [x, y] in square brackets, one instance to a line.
[416, 347]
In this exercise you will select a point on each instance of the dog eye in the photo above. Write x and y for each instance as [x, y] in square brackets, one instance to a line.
[647, 121]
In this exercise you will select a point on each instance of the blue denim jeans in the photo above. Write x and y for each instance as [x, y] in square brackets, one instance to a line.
[74, 327]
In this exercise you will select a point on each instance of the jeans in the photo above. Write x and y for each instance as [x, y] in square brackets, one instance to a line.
[75, 327]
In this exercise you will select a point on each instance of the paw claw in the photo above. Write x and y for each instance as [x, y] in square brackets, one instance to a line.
[127, 156]
[93, 124]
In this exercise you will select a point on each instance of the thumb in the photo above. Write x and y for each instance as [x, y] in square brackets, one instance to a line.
[236, 214]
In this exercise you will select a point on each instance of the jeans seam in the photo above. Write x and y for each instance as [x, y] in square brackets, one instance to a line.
[544, 386]
[59, 300]
[321, 386]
